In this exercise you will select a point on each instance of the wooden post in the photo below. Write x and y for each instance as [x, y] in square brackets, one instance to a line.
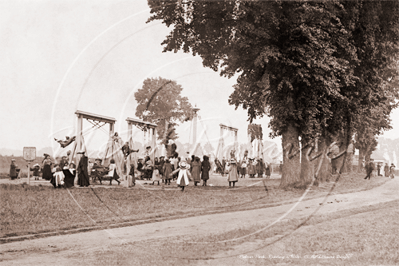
[235, 143]
[129, 157]
[152, 143]
[195, 110]
[154, 131]
[111, 129]
[78, 144]
[28, 173]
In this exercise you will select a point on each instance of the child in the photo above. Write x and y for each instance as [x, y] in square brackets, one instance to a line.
[167, 170]
[112, 172]
[233, 173]
[156, 177]
[58, 177]
[183, 175]
[36, 170]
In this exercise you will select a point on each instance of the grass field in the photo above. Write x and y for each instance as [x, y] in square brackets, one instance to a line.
[36, 209]
[362, 236]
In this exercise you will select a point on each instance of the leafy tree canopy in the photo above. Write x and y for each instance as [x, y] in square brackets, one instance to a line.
[255, 131]
[160, 102]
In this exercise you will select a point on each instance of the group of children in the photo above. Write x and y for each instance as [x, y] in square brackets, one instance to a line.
[247, 166]
[166, 169]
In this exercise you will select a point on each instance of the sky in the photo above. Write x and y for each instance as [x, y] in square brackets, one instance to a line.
[61, 56]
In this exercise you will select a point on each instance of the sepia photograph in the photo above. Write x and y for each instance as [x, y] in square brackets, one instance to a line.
[199, 132]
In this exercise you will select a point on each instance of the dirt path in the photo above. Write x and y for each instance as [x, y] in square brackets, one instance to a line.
[60, 250]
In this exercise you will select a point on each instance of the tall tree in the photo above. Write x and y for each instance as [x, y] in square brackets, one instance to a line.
[376, 36]
[295, 59]
[160, 102]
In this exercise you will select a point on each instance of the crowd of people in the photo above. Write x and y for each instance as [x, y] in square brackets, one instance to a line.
[370, 166]
[250, 167]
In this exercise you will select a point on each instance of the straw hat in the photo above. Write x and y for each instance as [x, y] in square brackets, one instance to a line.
[233, 161]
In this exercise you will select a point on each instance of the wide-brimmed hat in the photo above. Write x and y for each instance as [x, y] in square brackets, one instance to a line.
[233, 161]
[46, 155]
[36, 165]
[12, 159]
[183, 165]
[81, 152]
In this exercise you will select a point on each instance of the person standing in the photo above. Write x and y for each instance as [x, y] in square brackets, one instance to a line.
[140, 168]
[379, 169]
[183, 176]
[268, 172]
[167, 170]
[233, 173]
[392, 171]
[156, 177]
[260, 168]
[47, 174]
[386, 170]
[369, 169]
[160, 167]
[243, 167]
[251, 168]
[223, 166]
[196, 170]
[132, 177]
[13, 170]
[83, 175]
[36, 170]
[113, 172]
[205, 167]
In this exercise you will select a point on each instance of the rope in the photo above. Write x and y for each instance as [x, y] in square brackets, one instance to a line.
[81, 207]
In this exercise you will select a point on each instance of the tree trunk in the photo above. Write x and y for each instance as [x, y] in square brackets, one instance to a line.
[348, 168]
[361, 158]
[324, 173]
[307, 167]
[291, 164]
